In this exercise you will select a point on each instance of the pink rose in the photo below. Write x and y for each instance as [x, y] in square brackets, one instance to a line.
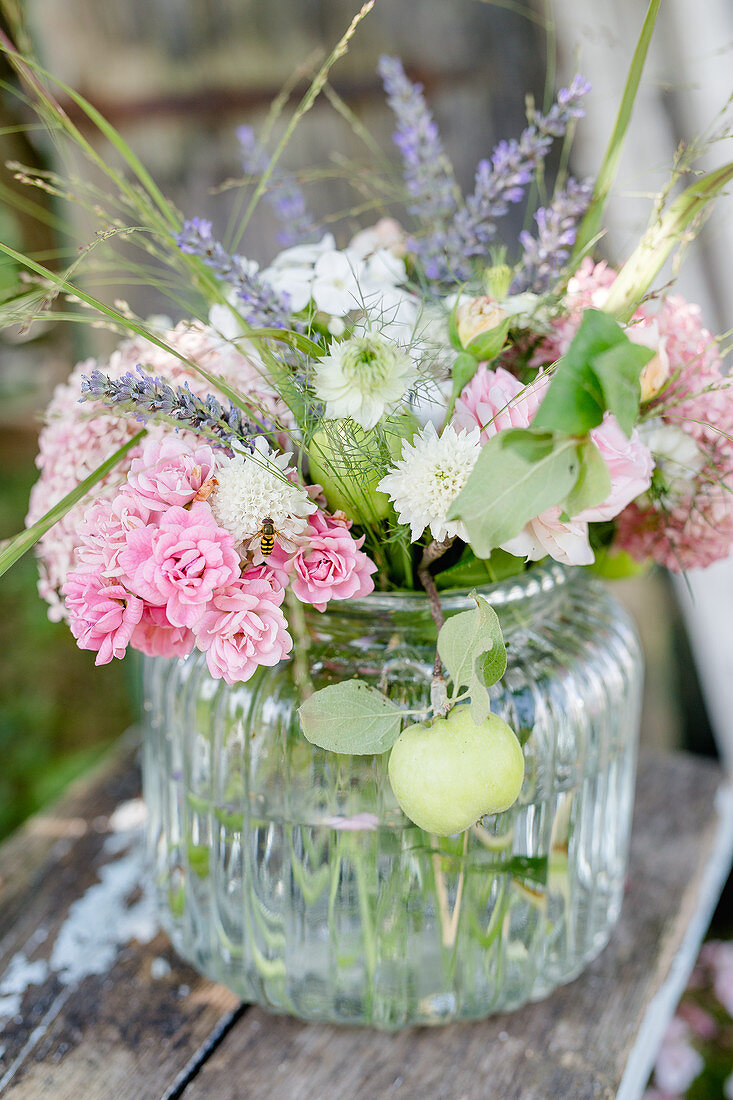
[156, 637]
[181, 563]
[170, 472]
[629, 463]
[548, 534]
[102, 615]
[243, 628]
[275, 569]
[331, 565]
[104, 530]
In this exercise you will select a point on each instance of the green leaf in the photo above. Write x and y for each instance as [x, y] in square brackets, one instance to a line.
[471, 646]
[591, 225]
[463, 371]
[470, 571]
[574, 402]
[594, 481]
[16, 547]
[599, 372]
[618, 370]
[351, 717]
[519, 473]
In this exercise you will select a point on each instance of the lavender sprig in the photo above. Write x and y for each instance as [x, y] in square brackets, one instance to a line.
[502, 180]
[557, 225]
[427, 171]
[284, 195]
[150, 397]
[264, 306]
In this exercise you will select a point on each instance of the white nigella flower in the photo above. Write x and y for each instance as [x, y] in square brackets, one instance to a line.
[364, 377]
[254, 487]
[429, 476]
[677, 457]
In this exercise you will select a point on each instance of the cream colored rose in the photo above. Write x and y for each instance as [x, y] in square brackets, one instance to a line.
[476, 316]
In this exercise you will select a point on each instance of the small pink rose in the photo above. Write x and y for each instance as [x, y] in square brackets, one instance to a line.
[181, 563]
[102, 615]
[243, 628]
[170, 472]
[330, 565]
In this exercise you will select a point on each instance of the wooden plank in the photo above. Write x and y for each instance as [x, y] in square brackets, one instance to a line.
[93, 1002]
[578, 1042]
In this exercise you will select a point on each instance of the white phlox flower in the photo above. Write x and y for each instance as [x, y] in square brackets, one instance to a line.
[426, 480]
[363, 378]
[255, 487]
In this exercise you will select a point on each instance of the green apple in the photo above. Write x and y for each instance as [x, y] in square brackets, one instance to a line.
[449, 772]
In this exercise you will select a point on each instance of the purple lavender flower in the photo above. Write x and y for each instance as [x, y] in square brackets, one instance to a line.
[151, 397]
[557, 225]
[284, 195]
[427, 171]
[262, 305]
[501, 180]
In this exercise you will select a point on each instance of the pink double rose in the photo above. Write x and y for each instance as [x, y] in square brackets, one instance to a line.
[180, 563]
[330, 565]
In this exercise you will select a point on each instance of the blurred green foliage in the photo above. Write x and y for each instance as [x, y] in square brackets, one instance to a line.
[57, 711]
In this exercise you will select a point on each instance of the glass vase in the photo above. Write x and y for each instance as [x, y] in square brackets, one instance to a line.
[290, 874]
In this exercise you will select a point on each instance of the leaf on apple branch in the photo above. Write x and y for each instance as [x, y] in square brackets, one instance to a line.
[351, 717]
[471, 647]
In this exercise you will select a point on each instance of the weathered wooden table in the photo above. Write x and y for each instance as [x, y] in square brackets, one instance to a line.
[94, 1004]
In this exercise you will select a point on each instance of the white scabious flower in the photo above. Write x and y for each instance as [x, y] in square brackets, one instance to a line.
[364, 378]
[254, 487]
[429, 476]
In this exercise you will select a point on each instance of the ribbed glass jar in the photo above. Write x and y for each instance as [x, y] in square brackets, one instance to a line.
[291, 875]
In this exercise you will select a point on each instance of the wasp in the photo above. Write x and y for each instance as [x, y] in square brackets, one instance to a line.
[267, 540]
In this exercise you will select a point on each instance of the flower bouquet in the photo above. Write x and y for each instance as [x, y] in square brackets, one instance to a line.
[349, 507]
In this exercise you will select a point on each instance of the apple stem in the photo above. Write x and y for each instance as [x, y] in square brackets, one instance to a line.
[434, 550]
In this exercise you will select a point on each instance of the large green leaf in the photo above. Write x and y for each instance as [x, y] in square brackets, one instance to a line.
[470, 637]
[351, 717]
[600, 371]
[618, 370]
[519, 473]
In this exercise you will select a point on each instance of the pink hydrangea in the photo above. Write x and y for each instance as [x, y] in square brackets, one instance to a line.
[243, 628]
[181, 563]
[156, 637]
[170, 471]
[102, 615]
[587, 289]
[692, 534]
[78, 437]
[330, 565]
[698, 397]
